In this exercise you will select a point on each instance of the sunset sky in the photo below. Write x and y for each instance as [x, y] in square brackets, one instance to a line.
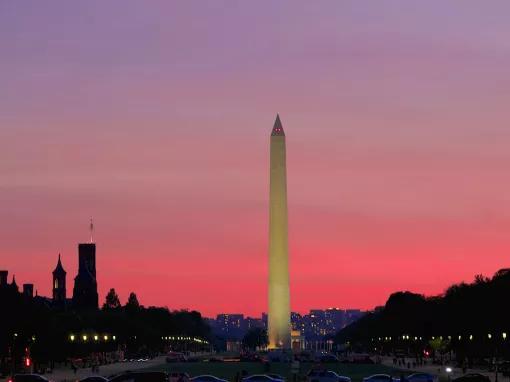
[154, 118]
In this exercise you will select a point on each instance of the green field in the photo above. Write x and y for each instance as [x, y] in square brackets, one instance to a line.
[228, 370]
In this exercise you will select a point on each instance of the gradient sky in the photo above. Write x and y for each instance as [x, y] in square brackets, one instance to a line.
[154, 118]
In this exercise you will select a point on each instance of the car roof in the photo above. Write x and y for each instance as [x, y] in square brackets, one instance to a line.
[259, 376]
[386, 376]
[29, 375]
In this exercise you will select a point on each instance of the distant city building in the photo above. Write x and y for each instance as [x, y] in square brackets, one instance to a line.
[311, 331]
[298, 341]
[230, 326]
[253, 323]
[85, 284]
[59, 283]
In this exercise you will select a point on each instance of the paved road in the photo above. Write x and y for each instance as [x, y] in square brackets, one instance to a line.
[67, 374]
[440, 371]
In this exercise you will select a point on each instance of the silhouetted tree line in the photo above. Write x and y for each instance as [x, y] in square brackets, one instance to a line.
[470, 320]
[255, 338]
[49, 333]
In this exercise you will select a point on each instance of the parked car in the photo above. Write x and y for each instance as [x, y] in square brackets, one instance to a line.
[473, 377]
[421, 377]
[27, 378]
[328, 358]
[380, 378]
[215, 359]
[175, 357]
[361, 359]
[139, 376]
[94, 378]
[178, 376]
[250, 357]
[207, 378]
[319, 375]
[260, 378]
[276, 376]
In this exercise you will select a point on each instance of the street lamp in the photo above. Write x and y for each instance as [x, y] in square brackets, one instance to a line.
[71, 337]
[84, 337]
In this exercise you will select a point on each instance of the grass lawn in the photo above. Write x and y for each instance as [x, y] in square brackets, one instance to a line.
[228, 370]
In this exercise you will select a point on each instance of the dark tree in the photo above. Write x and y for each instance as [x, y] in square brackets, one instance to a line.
[470, 319]
[132, 302]
[255, 338]
[112, 300]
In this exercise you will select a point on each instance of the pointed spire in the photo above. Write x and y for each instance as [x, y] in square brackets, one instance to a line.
[59, 269]
[13, 284]
[277, 127]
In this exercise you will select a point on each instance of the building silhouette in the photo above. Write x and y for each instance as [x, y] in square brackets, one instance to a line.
[3, 278]
[28, 290]
[85, 284]
[59, 284]
[14, 286]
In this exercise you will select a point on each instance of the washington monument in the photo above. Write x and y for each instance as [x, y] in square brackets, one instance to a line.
[279, 302]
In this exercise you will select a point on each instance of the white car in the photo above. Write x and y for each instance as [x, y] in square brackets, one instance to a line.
[325, 376]
[207, 378]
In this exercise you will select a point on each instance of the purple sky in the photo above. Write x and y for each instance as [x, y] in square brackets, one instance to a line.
[154, 117]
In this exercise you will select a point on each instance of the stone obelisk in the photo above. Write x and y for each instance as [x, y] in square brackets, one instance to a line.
[279, 301]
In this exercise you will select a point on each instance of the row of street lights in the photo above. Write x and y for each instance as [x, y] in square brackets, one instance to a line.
[94, 337]
[406, 337]
[184, 338]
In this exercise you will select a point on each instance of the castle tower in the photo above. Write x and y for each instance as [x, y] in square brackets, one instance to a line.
[279, 299]
[59, 283]
[85, 284]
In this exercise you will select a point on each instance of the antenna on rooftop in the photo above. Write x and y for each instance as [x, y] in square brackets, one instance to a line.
[91, 227]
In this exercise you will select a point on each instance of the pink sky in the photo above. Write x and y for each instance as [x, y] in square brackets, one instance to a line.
[154, 118]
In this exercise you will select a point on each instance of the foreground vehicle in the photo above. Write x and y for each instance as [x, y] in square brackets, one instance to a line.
[207, 378]
[421, 377]
[147, 376]
[260, 378]
[379, 378]
[276, 376]
[94, 378]
[178, 376]
[27, 378]
[175, 357]
[315, 375]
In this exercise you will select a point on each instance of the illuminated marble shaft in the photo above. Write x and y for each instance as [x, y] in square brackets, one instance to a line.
[279, 299]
